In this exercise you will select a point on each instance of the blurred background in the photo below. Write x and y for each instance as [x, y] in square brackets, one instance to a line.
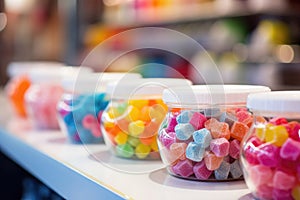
[251, 41]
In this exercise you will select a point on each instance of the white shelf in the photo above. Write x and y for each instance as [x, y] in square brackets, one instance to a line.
[91, 172]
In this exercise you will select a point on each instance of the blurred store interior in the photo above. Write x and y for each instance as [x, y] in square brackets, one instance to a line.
[250, 41]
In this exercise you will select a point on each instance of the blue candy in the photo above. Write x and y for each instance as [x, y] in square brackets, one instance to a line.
[227, 118]
[184, 131]
[212, 112]
[223, 171]
[235, 169]
[202, 137]
[184, 117]
[194, 152]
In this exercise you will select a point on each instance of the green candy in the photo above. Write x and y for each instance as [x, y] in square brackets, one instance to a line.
[133, 141]
[125, 150]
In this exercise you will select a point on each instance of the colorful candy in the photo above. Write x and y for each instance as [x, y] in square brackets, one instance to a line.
[138, 120]
[79, 116]
[272, 156]
[210, 144]
[41, 101]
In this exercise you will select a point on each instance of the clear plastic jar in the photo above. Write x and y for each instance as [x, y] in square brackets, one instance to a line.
[201, 134]
[271, 150]
[42, 96]
[131, 120]
[82, 104]
[19, 83]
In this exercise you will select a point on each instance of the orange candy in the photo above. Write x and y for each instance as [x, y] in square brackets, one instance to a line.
[239, 130]
[16, 91]
[212, 162]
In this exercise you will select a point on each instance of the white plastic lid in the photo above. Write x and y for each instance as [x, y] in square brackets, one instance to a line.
[277, 101]
[94, 82]
[126, 89]
[55, 74]
[211, 94]
[23, 68]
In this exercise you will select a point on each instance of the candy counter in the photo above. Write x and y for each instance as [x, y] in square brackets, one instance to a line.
[91, 172]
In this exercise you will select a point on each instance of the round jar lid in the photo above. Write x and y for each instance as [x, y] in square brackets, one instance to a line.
[24, 68]
[94, 82]
[276, 101]
[126, 89]
[211, 94]
[55, 74]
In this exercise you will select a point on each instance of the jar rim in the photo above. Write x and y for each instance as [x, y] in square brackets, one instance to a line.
[275, 101]
[17, 68]
[211, 94]
[127, 89]
[94, 82]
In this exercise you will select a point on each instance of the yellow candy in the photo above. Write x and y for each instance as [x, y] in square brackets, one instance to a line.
[108, 124]
[113, 113]
[154, 146]
[139, 103]
[276, 135]
[142, 151]
[157, 112]
[132, 113]
[160, 102]
[296, 192]
[121, 138]
[136, 128]
[260, 132]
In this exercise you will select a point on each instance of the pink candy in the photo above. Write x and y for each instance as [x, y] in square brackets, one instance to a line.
[268, 155]
[91, 123]
[234, 149]
[260, 175]
[201, 171]
[290, 150]
[220, 147]
[183, 168]
[198, 120]
[283, 181]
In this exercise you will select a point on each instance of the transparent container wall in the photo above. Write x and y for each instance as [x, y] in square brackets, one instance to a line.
[79, 116]
[271, 158]
[41, 101]
[203, 143]
[130, 127]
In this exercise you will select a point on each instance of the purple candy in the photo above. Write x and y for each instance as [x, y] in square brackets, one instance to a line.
[220, 147]
[172, 123]
[183, 168]
[167, 138]
[201, 171]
